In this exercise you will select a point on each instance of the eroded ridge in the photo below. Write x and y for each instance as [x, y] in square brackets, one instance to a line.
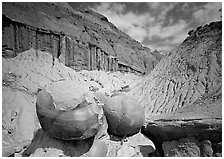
[189, 71]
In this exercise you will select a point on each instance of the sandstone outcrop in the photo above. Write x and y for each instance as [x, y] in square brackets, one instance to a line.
[82, 39]
[202, 120]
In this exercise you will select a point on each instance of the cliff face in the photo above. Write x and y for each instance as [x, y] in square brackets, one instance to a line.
[82, 39]
[189, 71]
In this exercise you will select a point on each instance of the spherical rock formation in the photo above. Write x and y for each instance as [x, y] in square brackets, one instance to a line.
[98, 149]
[80, 122]
[125, 116]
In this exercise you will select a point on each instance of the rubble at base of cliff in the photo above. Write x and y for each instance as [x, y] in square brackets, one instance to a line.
[80, 92]
[30, 71]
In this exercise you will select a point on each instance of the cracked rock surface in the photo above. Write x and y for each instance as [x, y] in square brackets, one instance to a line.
[182, 97]
[32, 70]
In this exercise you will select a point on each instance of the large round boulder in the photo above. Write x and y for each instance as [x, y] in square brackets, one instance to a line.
[68, 118]
[125, 116]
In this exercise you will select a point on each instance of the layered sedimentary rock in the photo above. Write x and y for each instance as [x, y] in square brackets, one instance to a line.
[82, 39]
[185, 74]
[201, 120]
[182, 97]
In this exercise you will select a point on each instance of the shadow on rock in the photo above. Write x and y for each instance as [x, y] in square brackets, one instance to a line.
[146, 150]
[45, 146]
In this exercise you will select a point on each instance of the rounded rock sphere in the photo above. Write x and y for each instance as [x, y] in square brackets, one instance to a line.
[125, 116]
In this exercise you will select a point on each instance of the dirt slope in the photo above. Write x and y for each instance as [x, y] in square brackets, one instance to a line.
[189, 71]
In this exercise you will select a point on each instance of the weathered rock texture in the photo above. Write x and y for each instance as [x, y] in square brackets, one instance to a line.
[66, 117]
[182, 97]
[31, 70]
[124, 115]
[82, 39]
[19, 121]
[187, 147]
[189, 71]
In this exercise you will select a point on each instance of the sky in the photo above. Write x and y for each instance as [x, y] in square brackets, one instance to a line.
[158, 25]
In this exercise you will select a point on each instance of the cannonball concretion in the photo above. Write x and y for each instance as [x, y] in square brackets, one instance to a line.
[81, 120]
[125, 116]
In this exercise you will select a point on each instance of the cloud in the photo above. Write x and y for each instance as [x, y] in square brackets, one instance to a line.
[138, 33]
[170, 30]
[145, 26]
[131, 23]
[161, 9]
[207, 13]
[166, 9]
[154, 5]
[164, 38]
[163, 25]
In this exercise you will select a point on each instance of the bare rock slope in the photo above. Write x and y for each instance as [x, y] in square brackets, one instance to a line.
[182, 97]
[189, 71]
[85, 27]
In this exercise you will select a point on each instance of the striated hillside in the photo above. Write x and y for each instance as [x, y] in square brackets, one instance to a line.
[182, 97]
[190, 70]
[87, 31]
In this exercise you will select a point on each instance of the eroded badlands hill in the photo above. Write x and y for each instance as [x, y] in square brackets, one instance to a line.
[191, 70]
[90, 32]
[182, 97]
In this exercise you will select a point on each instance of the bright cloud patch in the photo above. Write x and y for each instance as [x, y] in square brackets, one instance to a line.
[161, 26]
[129, 22]
[207, 13]
[168, 31]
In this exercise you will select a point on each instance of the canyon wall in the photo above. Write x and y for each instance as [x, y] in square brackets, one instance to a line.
[82, 39]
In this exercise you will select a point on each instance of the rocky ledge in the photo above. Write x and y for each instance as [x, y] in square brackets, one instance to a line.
[201, 121]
